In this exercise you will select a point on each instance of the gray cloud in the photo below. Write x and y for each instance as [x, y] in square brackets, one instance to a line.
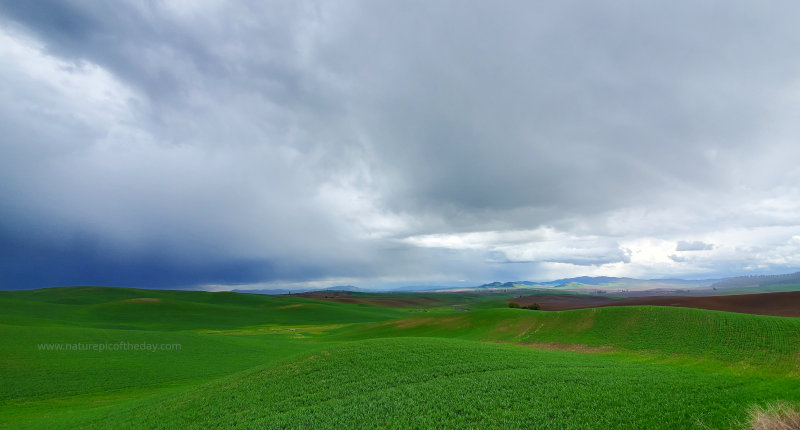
[527, 110]
[694, 246]
[303, 141]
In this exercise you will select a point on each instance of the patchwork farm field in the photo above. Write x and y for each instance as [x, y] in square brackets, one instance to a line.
[785, 304]
[226, 360]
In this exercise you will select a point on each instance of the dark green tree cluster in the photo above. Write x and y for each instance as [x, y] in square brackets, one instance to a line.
[532, 306]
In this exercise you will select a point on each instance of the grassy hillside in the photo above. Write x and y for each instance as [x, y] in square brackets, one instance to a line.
[127, 308]
[752, 340]
[445, 383]
[31, 372]
[217, 334]
[254, 361]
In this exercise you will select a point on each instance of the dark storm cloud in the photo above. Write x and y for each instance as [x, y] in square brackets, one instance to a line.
[25, 263]
[161, 143]
[573, 106]
[111, 34]
[206, 173]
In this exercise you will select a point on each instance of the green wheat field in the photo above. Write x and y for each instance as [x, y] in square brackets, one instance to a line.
[95, 358]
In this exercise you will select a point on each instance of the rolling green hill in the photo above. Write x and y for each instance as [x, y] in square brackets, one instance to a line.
[126, 308]
[446, 383]
[749, 340]
[249, 361]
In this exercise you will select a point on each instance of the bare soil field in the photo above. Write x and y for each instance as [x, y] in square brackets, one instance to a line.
[786, 304]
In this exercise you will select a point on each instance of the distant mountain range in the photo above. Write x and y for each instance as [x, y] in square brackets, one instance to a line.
[603, 282]
[582, 282]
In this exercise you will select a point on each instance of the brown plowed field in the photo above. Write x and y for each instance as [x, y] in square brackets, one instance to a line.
[778, 304]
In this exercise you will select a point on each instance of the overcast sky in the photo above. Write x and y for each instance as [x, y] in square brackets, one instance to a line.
[202, 144]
